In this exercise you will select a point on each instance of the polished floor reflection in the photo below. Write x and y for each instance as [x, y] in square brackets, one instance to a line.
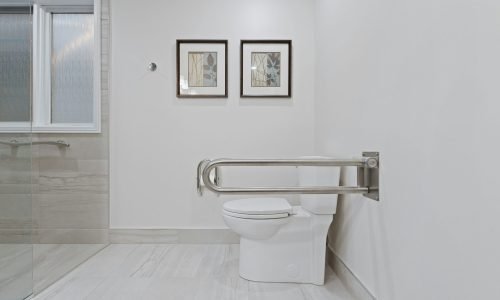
[177, 272]
[15, 270]
[25, 267]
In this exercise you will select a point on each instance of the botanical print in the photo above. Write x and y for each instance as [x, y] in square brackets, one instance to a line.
[202, 69]
[266, 69]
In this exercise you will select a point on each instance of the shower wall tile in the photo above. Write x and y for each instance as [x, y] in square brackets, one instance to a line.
[15, 191]
[15, 211]
[71, 187]
[15, 166]
[16, 236]
[71, 211]
[12, 222]
[81, 183]
[15, 172]
[82, 145]
[71, 236]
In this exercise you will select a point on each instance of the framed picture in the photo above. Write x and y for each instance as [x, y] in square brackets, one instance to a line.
[266, 68]
[201, 68]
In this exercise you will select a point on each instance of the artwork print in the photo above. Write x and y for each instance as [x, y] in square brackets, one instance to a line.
[266, 69]
[202, 69]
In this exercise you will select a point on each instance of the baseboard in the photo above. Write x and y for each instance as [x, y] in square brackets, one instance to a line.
[173, 236]
[352, 282]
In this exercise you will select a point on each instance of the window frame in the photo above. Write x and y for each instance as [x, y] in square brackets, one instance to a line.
[42, 77]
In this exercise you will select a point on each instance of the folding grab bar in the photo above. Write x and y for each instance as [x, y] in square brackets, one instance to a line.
[367, 179]
[199, 171]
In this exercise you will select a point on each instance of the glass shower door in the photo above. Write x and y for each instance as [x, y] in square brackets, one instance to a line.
[16, 225]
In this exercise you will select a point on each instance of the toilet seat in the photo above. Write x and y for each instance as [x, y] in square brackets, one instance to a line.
[255, 216]
[260, 208]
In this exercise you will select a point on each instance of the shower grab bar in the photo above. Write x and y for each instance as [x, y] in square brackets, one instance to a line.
[15, 143]
[367, 179]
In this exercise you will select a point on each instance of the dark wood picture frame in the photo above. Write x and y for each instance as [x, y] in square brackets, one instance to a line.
[178, 68]
[289, 61]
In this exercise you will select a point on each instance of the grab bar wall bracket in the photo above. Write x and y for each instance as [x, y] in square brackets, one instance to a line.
[367, 177]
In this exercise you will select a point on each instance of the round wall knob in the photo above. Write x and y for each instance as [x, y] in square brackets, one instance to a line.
[152, 67]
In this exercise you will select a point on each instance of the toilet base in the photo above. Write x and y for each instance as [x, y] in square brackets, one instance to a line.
[296, 253]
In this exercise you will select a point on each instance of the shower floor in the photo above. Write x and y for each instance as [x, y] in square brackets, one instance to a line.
[177, 272]
[15, 270]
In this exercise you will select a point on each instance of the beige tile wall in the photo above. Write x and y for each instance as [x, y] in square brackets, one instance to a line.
[15, 191]
[71, 185]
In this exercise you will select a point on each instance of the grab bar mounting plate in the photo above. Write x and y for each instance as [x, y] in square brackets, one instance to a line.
[369, 176]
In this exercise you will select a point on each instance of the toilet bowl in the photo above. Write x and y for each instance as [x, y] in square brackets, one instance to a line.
[280, 242]
[258, 218]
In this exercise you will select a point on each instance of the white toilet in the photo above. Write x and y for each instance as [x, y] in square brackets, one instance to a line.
[284, 243]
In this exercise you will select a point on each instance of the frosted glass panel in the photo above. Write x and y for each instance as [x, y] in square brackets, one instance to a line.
[72, 68]
[16, 250]
[15, 67]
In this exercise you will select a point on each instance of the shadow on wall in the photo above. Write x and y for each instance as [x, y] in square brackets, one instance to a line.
[267, 102]
[261, 102]
[346, 218]
[200, 102]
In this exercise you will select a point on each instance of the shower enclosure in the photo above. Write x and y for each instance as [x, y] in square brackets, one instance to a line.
[54, 191]
[16, 247]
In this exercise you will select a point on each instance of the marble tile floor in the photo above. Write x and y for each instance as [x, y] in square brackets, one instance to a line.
[25, 267]
[53, 261]
[15, 270]
[177, 271]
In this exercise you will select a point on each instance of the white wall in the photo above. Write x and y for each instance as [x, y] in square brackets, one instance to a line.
[417, 81]
[157, 139]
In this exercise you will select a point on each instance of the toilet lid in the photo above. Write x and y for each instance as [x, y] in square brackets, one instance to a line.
[259, 206]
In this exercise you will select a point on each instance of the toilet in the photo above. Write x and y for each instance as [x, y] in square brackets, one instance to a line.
[284, 243]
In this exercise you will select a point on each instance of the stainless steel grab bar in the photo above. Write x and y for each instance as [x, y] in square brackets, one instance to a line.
[15, 143]
[199, 170]
[367, 165]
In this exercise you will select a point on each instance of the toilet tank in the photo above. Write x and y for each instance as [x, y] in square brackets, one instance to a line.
[319, 176]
